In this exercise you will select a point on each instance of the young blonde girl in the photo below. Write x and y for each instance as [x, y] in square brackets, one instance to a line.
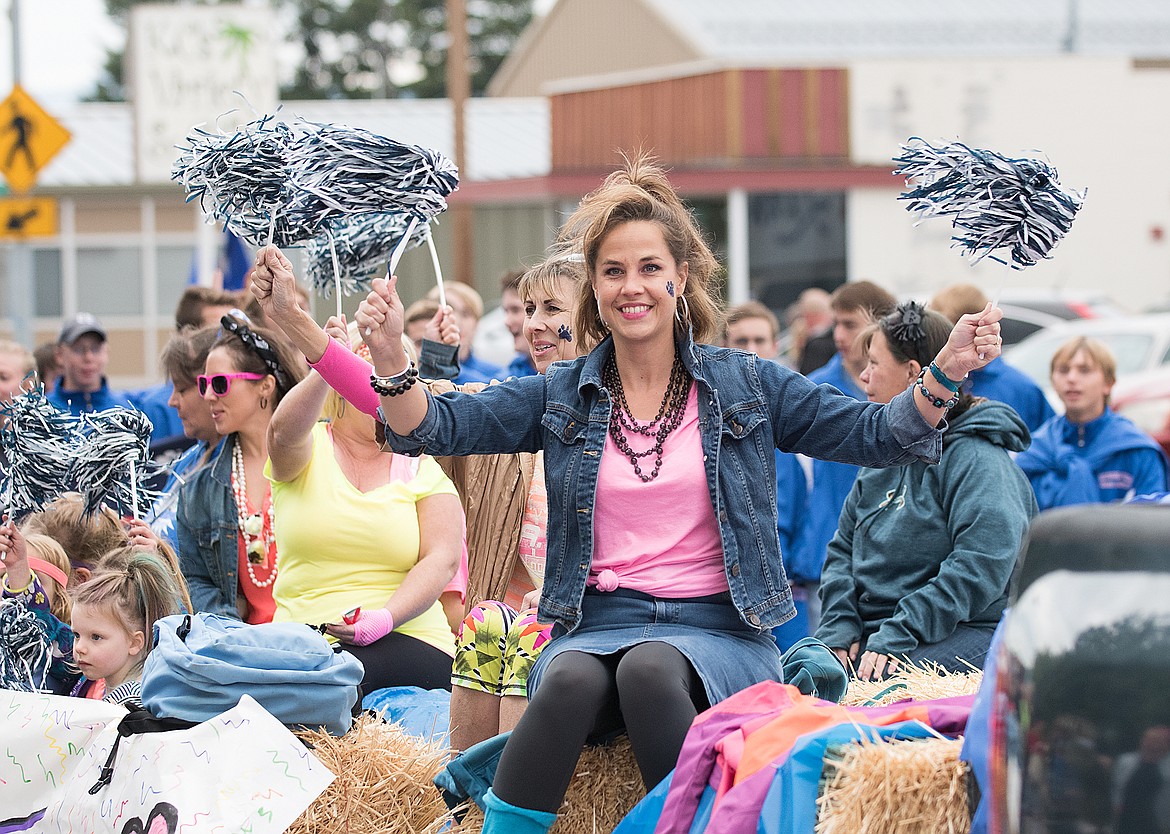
[36, 575]
[113, 619]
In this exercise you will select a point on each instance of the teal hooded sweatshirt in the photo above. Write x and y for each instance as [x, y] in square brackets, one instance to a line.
[923, 548]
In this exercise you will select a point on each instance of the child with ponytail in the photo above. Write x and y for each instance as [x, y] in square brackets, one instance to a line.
[113, 622]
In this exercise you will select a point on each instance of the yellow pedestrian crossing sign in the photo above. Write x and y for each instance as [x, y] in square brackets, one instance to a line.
[29, 138]
[25, 217]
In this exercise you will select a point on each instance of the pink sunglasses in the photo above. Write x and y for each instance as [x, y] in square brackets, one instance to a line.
[222, 383]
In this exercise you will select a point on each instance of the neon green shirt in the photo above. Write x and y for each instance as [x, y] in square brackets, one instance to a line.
[341, 548]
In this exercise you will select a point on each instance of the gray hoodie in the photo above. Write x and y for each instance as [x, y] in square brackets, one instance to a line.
[923, 548]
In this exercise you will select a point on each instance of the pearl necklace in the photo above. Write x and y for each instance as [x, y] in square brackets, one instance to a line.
[256, 530]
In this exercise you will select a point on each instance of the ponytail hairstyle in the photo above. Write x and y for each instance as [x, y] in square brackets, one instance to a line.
[639, 190]
[915, 332]
[137, 588]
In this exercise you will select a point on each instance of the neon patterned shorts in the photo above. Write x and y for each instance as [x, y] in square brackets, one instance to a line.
[497, 648]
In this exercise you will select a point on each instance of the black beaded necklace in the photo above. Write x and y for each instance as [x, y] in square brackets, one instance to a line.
[669, 417]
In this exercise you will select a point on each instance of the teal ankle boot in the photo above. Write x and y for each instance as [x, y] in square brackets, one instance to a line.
[503, 818]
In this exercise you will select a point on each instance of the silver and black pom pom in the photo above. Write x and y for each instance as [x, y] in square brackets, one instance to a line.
[1014, 207]
[26, 651]
[112, 463]
[340, 171]
[39, 443]
[363, 244]
[275, 182]
[241, 179]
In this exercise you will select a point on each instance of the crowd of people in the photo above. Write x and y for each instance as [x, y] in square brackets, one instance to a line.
[629, 523]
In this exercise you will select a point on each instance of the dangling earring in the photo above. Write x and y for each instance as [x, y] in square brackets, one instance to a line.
[600, 317]
[684, 317]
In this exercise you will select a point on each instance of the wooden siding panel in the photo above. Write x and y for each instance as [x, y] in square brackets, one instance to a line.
[791, 109]
[834, 113]
[719, 118]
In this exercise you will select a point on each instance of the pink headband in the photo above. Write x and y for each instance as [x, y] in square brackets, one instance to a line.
[50, 570]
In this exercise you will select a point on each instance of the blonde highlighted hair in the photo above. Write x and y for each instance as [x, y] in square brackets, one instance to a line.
[137, 588]
[640, 191]
[43, 547]
[544, 279]
[334, 405]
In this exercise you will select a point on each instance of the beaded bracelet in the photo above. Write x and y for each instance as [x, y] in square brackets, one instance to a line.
[937, 402]
[392, 386]
[945, 380]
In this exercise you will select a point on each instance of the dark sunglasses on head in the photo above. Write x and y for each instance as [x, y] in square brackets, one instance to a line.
[222, 383]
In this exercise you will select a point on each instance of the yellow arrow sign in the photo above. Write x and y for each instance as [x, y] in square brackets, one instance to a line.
[29, 138]
[25, 217]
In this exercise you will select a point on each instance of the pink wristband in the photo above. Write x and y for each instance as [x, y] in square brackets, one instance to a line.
[349, 375]
[372, 626]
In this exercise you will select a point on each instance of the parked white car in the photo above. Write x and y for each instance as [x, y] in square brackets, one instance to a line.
[1140, 343]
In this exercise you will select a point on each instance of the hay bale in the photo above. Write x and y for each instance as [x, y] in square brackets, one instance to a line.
[383, 785]
[605, 786]
[909, 786]
[924, 682]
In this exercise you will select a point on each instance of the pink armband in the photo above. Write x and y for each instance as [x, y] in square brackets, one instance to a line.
[349, 375]
[372, 626]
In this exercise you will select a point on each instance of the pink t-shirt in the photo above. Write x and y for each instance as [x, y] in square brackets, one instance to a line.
[661, 537]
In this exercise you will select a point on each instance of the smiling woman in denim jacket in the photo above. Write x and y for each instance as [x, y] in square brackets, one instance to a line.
[663, 571]
[227, 548]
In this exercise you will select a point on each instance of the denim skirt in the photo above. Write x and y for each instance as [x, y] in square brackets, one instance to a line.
[728, 654]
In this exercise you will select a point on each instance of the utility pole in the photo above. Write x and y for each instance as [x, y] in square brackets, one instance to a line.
[458, 91]
[19, 257]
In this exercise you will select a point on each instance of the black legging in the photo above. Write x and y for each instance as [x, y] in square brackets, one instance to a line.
[651, 688]
[401, 660]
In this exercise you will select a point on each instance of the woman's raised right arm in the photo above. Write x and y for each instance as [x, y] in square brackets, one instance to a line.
[380, 317]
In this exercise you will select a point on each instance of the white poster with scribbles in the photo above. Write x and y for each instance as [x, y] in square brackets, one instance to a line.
[242, 771]
[44, 739]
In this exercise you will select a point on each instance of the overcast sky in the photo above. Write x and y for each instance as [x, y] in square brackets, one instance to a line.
[63, 46]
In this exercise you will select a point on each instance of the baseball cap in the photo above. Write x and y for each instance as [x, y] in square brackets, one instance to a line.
[78, 326]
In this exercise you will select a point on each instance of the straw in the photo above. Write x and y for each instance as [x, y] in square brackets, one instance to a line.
[908, 786]
[383, 784]
[605, 787]
[924, 682]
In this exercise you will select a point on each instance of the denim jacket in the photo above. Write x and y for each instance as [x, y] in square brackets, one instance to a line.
[747, 408]
[208, 536]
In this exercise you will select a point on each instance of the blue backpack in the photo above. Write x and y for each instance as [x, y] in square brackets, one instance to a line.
[202, 664]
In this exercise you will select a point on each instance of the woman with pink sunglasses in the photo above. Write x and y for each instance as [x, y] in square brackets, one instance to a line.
[224, 523]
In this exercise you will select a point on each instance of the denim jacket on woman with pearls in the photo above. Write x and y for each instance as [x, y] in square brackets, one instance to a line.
[747, 408]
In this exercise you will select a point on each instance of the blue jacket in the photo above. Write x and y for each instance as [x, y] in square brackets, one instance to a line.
[830, 486]
[922, 549]
[521, 365]
[1000, 381]
[747, 408]
[791, 503]
[208, 535]
[80, 402]
[473, 369]
[1107, 459]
